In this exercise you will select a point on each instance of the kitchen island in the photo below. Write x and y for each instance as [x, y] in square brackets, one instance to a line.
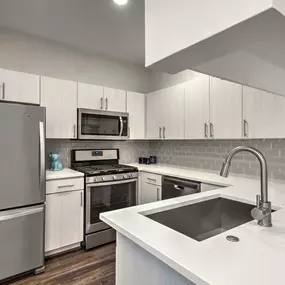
[151, 253]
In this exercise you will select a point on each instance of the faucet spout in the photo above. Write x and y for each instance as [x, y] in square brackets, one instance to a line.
[263, 205]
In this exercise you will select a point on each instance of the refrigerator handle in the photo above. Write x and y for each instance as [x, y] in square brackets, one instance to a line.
[14, 214]
[42, 155]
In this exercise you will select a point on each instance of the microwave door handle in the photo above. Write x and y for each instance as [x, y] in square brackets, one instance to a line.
[121, 126]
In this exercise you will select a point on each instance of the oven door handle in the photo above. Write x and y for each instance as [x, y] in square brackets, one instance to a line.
[121, 126]
[112, 183]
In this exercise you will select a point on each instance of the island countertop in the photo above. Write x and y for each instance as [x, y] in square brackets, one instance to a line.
[256, 260]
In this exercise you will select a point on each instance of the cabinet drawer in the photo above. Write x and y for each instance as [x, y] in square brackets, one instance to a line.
[63, 185]
[151, 178]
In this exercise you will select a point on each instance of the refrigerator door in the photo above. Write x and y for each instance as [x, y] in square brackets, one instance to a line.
[21, 240]
[22, 152]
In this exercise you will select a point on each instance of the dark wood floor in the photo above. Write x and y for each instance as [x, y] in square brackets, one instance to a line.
[96, 267]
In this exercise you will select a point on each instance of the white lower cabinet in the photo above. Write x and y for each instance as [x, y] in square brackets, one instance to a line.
[150, 188]
[64, 220]
[150, 193]
[53, 222]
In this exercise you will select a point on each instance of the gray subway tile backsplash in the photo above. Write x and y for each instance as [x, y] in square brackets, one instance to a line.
[129, 150]
[199, 154]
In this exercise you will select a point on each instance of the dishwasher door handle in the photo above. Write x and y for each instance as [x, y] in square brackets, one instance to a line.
[177, 187]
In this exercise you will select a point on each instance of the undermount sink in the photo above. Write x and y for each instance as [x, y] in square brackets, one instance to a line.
[205, 219]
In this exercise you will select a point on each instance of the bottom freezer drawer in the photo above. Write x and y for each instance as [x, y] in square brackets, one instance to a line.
[21, 240]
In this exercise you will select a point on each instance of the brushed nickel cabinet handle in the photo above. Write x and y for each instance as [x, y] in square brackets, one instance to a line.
[206, 130]
[160, 129]
[157, 194]
[245, 128]
[66, 186]
[74, 130]
[3, 91]
[164, 132]
[81, 199]
[211, 130]
[106, 101]
[101, 103]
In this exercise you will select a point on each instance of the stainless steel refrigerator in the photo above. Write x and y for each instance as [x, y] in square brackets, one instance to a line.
[22, 188]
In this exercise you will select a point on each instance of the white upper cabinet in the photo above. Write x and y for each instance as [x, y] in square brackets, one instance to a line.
[115, 100]
[136, 110]
[172, 108]
[165, 113]
[197, 104]
[225, 109]
[60, 99]
[263, 114]
[19, 87]
[90, 96]
[154, 114]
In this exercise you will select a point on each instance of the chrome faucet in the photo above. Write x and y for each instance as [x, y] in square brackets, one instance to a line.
[262, 212]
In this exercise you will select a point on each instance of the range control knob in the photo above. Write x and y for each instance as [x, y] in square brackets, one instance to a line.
[114, 177]
[102, 178]
[126, 176]
[131, 175]
[95, 179]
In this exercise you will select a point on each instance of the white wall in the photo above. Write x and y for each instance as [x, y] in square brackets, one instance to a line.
[171, 26]
[35, 55]
[280, 5]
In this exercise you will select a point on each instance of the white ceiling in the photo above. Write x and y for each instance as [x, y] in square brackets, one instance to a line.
[96, 26]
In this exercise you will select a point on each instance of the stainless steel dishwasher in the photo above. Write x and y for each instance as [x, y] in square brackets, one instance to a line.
[175, 187]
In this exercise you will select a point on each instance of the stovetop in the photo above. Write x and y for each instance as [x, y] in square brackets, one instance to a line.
[93, 169]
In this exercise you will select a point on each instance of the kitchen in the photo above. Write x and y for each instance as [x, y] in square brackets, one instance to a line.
[71, 89]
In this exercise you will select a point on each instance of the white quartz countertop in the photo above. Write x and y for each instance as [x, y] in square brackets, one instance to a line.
[63, 174]
[258, 259]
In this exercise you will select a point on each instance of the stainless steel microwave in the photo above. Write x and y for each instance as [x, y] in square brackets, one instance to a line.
[102, 125]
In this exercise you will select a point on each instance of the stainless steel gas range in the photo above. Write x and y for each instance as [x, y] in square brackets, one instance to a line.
[108, 186]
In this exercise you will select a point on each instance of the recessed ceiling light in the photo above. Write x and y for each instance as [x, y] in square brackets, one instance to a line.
[121, 2]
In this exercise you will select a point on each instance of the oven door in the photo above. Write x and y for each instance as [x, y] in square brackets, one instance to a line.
[104, 125]
[108, 196]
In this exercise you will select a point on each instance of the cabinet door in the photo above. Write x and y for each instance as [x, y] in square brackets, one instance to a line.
[154, 115]
[53, 222]
[71, 218]
[90, 96]
[197, 107]
[264, 114]
[60, 99]
[172, 107]
[150, 193]
[115, 100]
[19, 87]
[225, 109]
[136, 110]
